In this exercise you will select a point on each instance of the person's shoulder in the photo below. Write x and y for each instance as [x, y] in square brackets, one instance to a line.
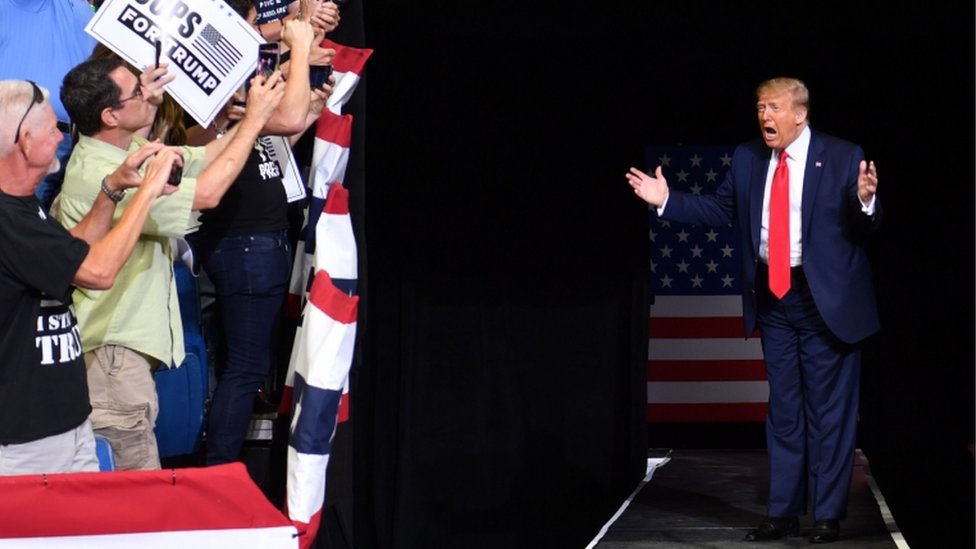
[12, 205]
[831, 142]
[753, 149]
[16, 213]
[81, 9]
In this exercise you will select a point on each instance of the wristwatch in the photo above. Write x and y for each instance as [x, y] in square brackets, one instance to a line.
[116, 196]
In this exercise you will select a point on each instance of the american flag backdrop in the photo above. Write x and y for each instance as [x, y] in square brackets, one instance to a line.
[700, 368]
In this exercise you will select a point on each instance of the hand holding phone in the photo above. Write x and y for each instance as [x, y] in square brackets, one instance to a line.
[318, 75]
[268, 58]
[176, 175]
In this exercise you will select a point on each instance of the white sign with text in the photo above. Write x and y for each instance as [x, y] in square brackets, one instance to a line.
[210, 49]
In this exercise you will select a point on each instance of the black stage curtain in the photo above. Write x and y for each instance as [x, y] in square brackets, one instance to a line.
[501, 399]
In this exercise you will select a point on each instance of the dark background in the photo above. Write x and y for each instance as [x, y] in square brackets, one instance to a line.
[497, 395]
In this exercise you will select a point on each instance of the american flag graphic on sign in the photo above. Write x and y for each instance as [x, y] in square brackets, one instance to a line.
[700, 368]
[216, 49]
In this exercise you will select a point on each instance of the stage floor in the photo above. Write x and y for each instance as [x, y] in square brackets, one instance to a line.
[711, 498]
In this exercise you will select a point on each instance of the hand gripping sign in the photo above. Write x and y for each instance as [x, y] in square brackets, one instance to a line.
[210, 49]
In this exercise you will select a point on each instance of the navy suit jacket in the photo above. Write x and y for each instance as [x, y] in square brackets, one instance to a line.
[832, 233]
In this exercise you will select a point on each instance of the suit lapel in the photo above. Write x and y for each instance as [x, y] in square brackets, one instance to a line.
[812, 175]
[757, 186]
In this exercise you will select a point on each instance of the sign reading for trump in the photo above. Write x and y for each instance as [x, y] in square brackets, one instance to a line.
[210, 49]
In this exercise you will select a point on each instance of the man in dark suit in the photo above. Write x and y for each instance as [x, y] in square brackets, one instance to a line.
[804, 203]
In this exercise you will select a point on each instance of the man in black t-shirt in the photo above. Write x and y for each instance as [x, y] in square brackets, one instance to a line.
[44, 408]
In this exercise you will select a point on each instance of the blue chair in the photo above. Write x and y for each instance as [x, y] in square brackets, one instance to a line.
[103, 451]
[183, 391]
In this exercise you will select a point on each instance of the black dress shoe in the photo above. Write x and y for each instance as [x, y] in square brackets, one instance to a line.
[825, 531]
[774, 528]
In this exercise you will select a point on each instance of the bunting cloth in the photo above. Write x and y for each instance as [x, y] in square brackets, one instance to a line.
[700, 367]
[330, 156]
[347, 67]
[317, 382]
[322, 290]
[190, 508]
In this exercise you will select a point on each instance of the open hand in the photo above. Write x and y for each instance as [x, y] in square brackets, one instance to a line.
[867, 181]
[652, 189]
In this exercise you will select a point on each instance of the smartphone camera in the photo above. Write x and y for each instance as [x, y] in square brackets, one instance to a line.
[175, 175]
[268, 58]
[318, 75]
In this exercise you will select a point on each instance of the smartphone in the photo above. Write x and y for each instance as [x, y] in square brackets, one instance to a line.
[175, 175]
[268, 58]
[318, 75]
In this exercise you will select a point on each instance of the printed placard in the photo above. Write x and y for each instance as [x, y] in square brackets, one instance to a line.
[210, 49]
[281, 151]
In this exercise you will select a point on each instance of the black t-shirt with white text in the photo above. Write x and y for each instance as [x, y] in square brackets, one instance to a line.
[271, 10]
[255, 203]
[43, 386]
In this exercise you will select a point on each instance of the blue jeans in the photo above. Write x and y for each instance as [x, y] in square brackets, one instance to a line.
[250, 275]
[50, 186]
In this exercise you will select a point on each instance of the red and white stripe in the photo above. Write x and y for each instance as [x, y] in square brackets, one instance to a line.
[700, 368]
[348, 66]
[191, 508]
[330, 156]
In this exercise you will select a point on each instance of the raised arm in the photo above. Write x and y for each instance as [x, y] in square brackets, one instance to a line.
[97, 222]
[108, 254]
[319, 99]
[289, 117]
[263, 98]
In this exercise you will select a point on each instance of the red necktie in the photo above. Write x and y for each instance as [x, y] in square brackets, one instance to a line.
[779, 229]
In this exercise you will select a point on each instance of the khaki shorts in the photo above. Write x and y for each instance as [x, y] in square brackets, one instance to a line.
[124, 404]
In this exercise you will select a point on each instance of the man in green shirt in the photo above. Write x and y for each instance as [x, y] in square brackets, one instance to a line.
[134, 327]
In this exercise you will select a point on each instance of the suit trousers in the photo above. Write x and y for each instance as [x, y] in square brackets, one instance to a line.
[814, 388]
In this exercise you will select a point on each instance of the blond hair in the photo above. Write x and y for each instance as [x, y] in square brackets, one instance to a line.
[798, 91]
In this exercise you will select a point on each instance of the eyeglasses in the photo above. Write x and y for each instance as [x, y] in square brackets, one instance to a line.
[135, 94]
[38, 99]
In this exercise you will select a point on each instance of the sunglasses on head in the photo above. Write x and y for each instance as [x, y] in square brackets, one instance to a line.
[38, 99]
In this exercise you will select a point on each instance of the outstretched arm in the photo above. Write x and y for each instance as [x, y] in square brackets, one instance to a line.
[262, 99]
[319, 98]
[290, 115]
